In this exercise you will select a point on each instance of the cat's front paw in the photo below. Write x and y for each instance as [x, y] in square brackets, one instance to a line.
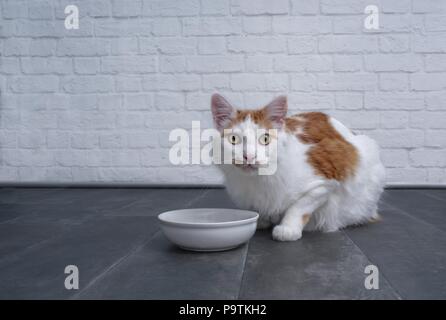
[286, 233]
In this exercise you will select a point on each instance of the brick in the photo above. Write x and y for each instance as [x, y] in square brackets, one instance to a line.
[211, 64]
[215, 82]
[428, 81]
[394, 43]
[435, 23]
[257, 25]
[172, 64]
[428, 158]
[189, 82]
[171, 8]
[57, 139]
[138, 101]
[435, 101]
[306, 25]
[347, 63]
[343, 6]
[31, 84]
[82, 47]
[348, 24]
[303, 82]
[393, 82]
[395, 158]
[87, 84]
[16, 47]
[40, 10]
[429, 43]
[260, 7]
[394, 101]
[358, 119]
[348, 44]
[13, 9]
[407, 175]
[86, 65]
[9, 65]
[215, 26]
[389, 62]
[197, 101]
[84, 140]
[301, 44]
[299, 63]
[399, 138]
[256, 45]
[123, 64]
[396, 6]
[112, 141]
[126, 8]
[211, 7]
[166, 27]
[435, 138]
[37, 28]
[349, 101]
[310, 101]
[303, 7]
[169, 101]
[259, 63]
[42, 47]
[179, 46]
[124, 46]
[435, 62]
[393, 119]
[138, 140]
[428, 6]
[431, 120]
[212, 45]
[128, 84]
[109, 102]
[31, 140]
[47, 65]
[256, 82]
[347, 81]
[121, 28]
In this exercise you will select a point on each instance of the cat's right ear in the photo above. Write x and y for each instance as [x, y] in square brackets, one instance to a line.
[222, 111]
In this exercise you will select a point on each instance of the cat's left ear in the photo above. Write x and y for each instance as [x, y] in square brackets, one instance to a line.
[276, 111]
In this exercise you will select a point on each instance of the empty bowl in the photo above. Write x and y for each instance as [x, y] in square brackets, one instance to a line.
[208, 229]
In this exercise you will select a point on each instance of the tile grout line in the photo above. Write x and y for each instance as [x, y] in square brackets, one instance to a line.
[398, 295]
[401, 211]
[432, 196]
[245, 258]
[114, 265]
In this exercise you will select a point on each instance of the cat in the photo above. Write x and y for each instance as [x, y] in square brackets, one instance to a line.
[327, 178]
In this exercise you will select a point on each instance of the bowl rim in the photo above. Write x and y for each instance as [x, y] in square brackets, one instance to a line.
[208, 224]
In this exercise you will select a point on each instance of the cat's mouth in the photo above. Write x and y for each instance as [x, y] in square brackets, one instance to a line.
[247, 166]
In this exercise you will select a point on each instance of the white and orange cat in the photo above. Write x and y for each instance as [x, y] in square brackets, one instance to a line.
[327, 177]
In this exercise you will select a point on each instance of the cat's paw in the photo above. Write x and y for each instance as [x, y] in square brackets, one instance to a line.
[286, 233]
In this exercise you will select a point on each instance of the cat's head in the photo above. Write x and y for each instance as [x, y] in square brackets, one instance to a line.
[249, 137]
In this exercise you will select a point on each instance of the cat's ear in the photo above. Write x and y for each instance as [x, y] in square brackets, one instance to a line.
[222, 111]
[276, 111]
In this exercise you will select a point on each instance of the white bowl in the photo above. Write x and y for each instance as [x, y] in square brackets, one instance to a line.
[208, 229]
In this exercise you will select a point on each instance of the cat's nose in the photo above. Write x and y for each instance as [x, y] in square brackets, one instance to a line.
[248, 157]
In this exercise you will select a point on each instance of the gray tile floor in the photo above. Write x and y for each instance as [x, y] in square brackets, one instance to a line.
[112, 236]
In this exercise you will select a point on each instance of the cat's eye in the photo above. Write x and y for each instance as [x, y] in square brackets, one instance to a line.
[265, 139]
[233, 139]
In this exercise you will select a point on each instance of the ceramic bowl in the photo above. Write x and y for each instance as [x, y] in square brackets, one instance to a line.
[208, 229]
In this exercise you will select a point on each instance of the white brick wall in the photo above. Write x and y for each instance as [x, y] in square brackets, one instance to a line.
[96, 104]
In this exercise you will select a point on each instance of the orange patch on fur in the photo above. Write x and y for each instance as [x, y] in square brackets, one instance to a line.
[257, 116]
[305, 218]
[331, 155]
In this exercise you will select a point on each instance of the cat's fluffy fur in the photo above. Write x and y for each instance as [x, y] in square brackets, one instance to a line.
[327, 177]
